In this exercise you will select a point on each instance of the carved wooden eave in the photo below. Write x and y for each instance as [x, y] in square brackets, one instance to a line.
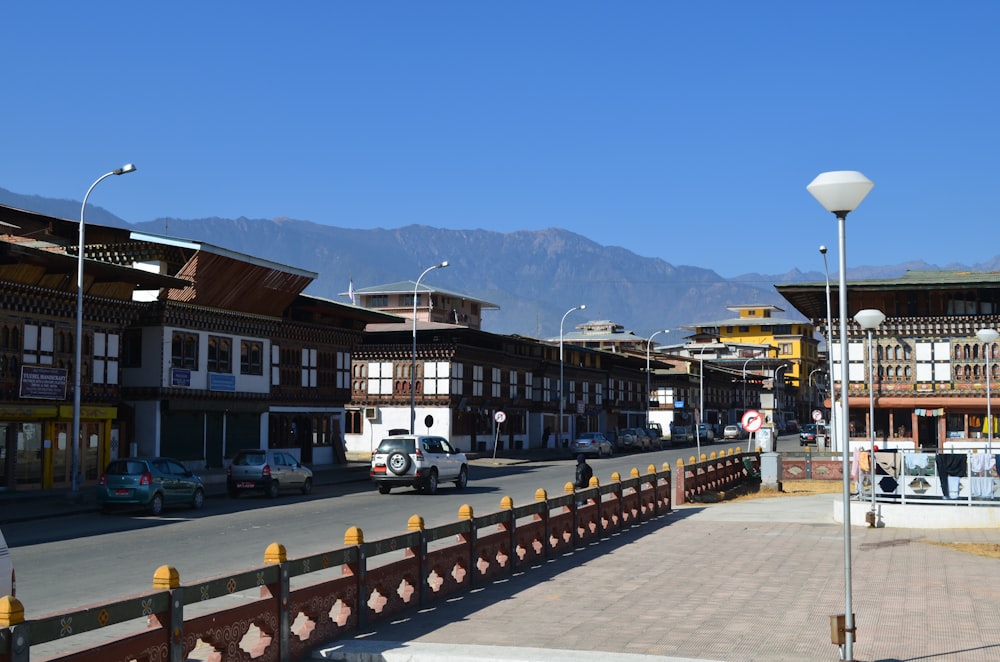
[55, 270]
[225, 279]
[927, 292]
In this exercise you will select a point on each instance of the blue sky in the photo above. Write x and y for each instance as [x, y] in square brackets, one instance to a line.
[680, 130]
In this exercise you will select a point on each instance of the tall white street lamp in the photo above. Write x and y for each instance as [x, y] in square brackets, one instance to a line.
[562, 394]
[648, 345]
[413, 364]
[869, 319]
[812, 392]
[988, 337]
[834, 437]
[840, 192]
[78, 356]
[701, 399]
[745, 382]
[779, 391]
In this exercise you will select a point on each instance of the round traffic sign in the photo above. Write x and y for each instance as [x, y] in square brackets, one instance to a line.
[752, 420]
[817, 415]
[499, 417]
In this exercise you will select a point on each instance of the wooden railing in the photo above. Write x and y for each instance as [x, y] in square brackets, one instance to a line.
[714, 474]
[289, 607]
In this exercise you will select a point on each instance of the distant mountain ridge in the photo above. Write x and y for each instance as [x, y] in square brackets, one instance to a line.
[534, 276]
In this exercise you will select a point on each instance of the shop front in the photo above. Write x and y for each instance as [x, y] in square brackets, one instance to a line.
[36, 445]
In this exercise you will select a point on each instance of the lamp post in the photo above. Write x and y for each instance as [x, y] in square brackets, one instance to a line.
[840, 192]
[701, 399]
[648, 345]
[78, 356]
[834, 438]
[868, 319]
[778, 397]
[562, 398]
[745, 406]
[988, 336]
[413, 364]
[812, 399]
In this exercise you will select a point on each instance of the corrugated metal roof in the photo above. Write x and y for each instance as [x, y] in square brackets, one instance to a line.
[407, 287]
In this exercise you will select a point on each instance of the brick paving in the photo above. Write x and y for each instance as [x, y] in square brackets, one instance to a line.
[741, 581]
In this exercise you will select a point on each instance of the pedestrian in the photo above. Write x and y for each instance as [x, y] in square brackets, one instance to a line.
[583, 473]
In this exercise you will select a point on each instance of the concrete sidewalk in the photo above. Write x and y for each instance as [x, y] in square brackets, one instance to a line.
[747, 580]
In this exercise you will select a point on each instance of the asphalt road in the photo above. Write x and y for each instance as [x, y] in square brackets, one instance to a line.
[67, 562]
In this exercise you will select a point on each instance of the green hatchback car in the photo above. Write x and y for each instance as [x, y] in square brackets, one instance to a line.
[152, 483]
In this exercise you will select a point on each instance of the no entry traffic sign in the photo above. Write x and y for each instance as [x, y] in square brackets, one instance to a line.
[752, 420]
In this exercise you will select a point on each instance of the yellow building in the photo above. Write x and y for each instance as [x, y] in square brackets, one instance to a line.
[789, 341]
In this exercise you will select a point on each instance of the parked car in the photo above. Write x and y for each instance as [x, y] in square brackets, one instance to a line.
[420, 461]
[152, 483]
[655, 438]
[791, 426]
[632, 439]
[681, 434]
[734, 431]
[705, 432]
[592, 443]
[267, 471]
[8, 583]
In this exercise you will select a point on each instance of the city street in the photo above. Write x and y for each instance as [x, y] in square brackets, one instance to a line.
[69, 561]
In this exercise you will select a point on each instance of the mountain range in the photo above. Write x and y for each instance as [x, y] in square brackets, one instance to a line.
[533, 276]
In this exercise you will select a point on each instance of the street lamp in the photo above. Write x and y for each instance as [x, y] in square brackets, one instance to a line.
[834, 439]
[778, 397]
[840, 192]
[745, 381]
[701, 399]
[868, 319]
[988, 336]
[812, 394]
[78, 357]
[648, 344]
[413, 364]
[582, 306]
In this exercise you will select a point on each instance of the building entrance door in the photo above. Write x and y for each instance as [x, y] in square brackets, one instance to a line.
[927, 432]
[62, 454]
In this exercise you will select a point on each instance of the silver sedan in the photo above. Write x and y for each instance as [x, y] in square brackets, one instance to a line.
[592, 443]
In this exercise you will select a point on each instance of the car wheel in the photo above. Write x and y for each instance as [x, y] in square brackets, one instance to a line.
[463, 478]
[398, 463]
[156, 505]
[383, 489]
[198, 500]
[307, 486]
[272, 490]
[431, 486]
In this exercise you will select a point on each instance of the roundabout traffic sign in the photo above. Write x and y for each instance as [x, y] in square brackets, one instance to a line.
[752, 420]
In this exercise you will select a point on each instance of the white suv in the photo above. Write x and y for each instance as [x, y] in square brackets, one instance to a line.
[420, 461]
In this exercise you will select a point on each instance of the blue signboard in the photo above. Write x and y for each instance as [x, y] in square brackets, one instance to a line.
[218, 382]
[180, 377]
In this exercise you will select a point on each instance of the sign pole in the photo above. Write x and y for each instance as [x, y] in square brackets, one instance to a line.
[499, 417]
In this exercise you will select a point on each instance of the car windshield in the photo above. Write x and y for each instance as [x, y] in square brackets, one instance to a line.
[405, 444]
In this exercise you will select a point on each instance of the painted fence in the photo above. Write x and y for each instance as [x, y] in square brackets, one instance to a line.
[342, 591]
